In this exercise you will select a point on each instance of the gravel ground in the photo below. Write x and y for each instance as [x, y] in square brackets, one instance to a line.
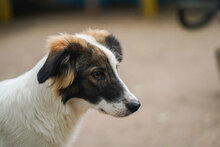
[171, 70]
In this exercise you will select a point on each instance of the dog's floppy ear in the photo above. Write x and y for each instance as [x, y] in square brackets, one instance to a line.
[57, 64]
[107, 39]
[60, 63]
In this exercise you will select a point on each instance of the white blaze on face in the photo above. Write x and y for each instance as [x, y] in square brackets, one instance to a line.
[119, 108]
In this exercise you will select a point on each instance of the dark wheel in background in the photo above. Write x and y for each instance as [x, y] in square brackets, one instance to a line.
[194, 14]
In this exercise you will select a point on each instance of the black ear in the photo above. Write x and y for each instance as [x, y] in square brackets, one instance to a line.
[56, 64]
[113, 44]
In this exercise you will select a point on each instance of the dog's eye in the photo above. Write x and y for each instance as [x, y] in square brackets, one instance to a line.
[98, 75]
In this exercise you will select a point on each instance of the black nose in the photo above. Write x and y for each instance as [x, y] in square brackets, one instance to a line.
[133, 105]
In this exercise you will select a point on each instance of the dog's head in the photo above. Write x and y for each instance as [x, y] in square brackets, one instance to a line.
[85, 66]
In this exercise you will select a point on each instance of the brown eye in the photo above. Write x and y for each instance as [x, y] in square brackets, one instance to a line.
[98, 75]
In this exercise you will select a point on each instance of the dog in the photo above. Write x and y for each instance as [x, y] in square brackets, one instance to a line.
[44, 106]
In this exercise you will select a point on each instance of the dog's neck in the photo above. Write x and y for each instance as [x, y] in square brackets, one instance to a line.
[51, 117]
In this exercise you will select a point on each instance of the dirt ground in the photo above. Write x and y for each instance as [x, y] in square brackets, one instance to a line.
[171, 70]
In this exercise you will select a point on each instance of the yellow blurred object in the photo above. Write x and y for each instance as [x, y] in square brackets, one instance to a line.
[5, 11]
[149, 7]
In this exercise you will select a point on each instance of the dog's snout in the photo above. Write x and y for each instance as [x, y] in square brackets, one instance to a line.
[133, 105]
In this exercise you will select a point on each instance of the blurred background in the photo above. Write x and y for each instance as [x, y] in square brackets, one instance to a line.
[169, 64]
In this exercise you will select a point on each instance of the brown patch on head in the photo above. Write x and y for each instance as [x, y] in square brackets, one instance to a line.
[98, 54]
[99, 35]
[59, 42]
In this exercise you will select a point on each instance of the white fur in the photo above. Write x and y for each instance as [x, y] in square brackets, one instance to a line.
[31, 117]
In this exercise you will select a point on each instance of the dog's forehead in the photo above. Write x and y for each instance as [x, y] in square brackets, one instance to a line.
[110, 56]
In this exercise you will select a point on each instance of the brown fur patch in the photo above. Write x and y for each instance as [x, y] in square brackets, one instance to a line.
[62, 81]
[59, 42]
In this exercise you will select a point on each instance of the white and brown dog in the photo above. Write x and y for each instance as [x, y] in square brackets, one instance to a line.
[43, 107]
